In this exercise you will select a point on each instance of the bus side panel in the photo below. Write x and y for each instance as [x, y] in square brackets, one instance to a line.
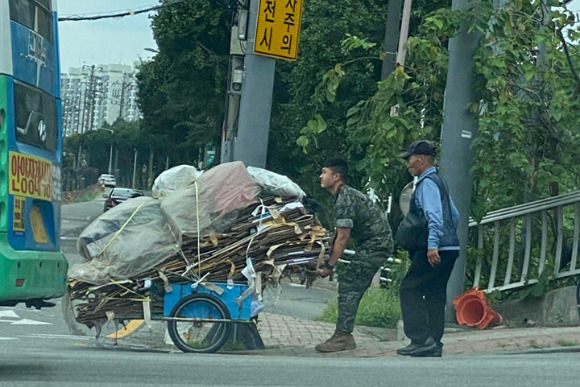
[31, 263]
[30, 275]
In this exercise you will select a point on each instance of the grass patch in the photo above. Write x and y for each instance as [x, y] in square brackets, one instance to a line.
[378, 308]
[567, 342]
[83, 195]
[535, 344]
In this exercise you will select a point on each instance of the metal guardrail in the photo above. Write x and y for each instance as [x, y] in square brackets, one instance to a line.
[515, 245]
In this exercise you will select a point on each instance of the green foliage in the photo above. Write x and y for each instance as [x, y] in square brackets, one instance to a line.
[541, 287]
[378, 308]
[182, 89]
[299, 96]
[527, 117]
[526, 85]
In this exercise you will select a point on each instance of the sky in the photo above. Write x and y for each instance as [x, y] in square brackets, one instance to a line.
[105, 41]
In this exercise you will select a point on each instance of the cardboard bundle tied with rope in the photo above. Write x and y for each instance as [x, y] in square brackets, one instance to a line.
[203, 232]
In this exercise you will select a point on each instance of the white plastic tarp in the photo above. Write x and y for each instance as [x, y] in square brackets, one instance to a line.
[173, 179]
[212, 202]
[276, 184]
[125, 241]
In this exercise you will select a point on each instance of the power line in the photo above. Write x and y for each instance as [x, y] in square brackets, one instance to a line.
[130, 12]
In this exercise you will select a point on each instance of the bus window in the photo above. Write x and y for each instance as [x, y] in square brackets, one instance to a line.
[36, 117]
[33, 14]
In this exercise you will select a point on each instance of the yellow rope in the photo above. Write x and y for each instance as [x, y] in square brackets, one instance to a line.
[121, 229]
[146, 298]
[198, 231]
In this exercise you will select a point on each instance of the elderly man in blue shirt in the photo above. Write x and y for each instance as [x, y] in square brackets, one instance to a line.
[424, 289]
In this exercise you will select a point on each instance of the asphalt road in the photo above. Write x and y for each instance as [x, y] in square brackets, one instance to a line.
[31, 359]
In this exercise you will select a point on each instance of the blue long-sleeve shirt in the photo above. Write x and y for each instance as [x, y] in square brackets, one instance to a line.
[428, 198]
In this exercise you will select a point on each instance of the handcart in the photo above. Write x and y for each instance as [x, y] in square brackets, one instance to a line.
[200, 316]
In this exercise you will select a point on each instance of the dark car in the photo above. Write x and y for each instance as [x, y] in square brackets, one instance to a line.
[119, 195]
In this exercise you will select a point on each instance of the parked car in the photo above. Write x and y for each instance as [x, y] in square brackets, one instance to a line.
[108, 180]
[119, 195]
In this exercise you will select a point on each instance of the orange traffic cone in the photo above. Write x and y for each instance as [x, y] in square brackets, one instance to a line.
[472, 309]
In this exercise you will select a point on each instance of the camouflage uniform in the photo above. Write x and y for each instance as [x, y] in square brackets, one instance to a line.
[370, 229]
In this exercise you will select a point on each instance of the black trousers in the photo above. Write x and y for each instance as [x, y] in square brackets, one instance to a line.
[424, 294]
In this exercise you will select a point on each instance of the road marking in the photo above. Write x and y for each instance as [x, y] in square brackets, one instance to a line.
[26, 321]
[129, 328]
[8, 313]
[8, 338]
[55, 336]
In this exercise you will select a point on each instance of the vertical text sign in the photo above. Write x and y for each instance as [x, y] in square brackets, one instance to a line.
[278, 28]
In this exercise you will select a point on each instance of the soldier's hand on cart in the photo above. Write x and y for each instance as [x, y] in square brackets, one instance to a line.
[325, 270]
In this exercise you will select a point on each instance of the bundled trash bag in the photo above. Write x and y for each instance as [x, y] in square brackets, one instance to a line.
[173, 179]
[124, 242]
[212, 203]
[276, 184]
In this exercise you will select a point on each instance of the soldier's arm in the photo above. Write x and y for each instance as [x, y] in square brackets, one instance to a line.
[341, 238]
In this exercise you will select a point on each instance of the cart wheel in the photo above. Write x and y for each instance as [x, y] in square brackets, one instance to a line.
[199, 336]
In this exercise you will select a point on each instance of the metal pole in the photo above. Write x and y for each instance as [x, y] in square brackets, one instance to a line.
[391, 34]
[134, 167]
[111, 158]
[251, 145]
[458, 130]
[404, 32]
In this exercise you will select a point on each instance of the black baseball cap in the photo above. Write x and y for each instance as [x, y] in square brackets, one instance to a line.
[421, 147]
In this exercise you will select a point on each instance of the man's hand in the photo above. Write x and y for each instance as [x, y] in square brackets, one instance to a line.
[433, 257]
[324, 272]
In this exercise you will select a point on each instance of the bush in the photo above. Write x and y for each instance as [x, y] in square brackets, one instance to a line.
[379, 307]
[84, 195]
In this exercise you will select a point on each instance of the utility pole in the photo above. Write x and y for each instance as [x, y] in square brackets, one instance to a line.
[458, 130]
[89, 100]
[391, 37]
[125, 85]
[236, 78]
[134, 167]
[251, 145]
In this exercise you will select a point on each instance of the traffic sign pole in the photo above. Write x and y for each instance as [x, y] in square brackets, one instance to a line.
[251, 143]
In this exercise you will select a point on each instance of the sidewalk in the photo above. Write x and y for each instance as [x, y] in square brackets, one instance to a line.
[289, 336]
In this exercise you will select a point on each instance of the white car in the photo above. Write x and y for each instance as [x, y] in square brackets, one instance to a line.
[107, 180]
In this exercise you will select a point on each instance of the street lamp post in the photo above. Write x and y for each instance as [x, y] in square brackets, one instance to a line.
[110, 150]
[111, 159]
[134, 167]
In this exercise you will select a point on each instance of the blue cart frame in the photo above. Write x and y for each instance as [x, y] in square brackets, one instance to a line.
[200, 316]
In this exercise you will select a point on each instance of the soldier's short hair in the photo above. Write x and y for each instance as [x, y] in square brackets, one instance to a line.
[338, 165]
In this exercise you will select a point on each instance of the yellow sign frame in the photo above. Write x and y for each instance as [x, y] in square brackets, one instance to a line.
[30, 176]
[278, 28]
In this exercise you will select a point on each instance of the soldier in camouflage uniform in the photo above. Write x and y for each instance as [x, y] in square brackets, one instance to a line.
[358, 217]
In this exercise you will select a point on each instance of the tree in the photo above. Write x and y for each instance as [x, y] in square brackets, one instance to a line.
[528, 112]
[182, 89]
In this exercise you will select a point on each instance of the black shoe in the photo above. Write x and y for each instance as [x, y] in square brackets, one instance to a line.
[437, 352]
[418, 349]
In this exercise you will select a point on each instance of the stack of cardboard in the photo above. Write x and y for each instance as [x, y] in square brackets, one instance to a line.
[264, 234]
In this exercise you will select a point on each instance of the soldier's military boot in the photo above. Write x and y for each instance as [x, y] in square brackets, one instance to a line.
[338, 342]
